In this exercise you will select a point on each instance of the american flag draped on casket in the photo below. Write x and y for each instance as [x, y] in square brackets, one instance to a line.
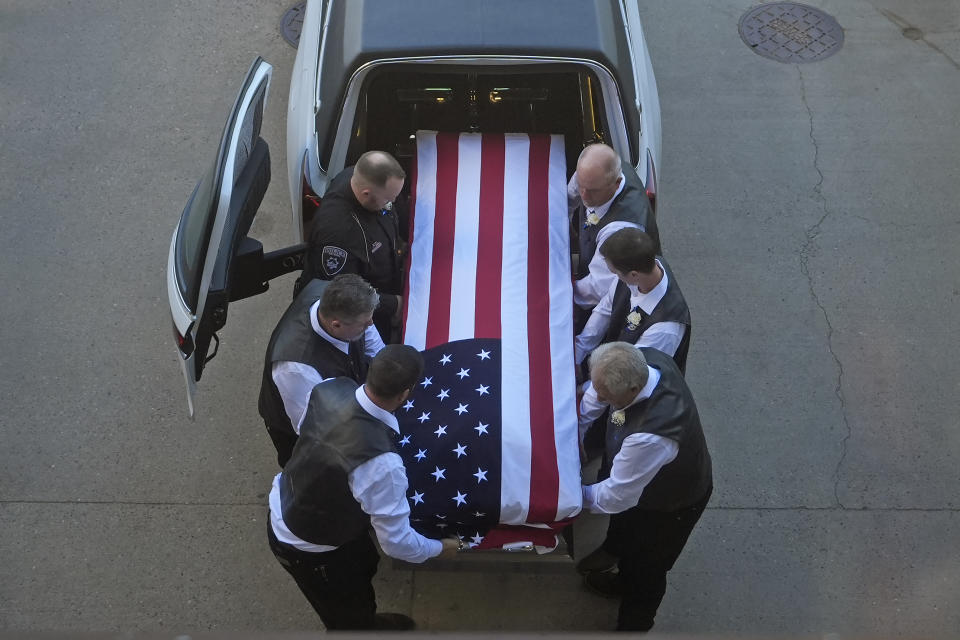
[489, 437]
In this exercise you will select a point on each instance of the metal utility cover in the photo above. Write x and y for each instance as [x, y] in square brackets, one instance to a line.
[791, 32]
[292, 23]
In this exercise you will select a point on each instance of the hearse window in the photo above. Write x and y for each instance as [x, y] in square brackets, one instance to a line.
[398, 100]
[193, 236]
[199, 216]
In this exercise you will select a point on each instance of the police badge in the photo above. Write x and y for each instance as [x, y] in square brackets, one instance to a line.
[333, 259]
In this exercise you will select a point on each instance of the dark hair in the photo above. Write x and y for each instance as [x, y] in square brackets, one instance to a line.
[376, 167]
[395, 368]
[630, 249]
[347, 297]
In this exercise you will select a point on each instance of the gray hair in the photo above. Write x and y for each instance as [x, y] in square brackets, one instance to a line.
[619, 366]
[603, 156]
[348, 296]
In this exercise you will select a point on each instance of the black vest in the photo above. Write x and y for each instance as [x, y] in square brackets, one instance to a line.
[294, 340]
[631, 205]
[336, 437]
[669, 412]
[671, 308]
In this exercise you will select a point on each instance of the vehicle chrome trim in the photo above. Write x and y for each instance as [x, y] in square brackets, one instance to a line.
[186, 366]
[633, 58]
[649, 126]
[182, 321]
[179, 311]
[323, 49]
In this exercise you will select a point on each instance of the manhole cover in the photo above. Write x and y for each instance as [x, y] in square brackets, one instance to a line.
[292, 23]
[791, 32]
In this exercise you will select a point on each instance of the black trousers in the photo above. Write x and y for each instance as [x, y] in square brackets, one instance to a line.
[283, 441]
[337, 583]
[648, 543]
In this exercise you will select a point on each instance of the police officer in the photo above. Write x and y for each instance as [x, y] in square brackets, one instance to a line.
[606, 197]
[357, 231]
[326, 332]
[660, 482]
[345, 476]
[644, 307]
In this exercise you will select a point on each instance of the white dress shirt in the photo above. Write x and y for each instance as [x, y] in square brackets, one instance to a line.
[640, 458]
[295, 380]
[588, 290]
[380, 486]
[664, 336]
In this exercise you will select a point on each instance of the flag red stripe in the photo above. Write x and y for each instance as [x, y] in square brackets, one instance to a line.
[544, 476]
[490, 237]
[444, 227]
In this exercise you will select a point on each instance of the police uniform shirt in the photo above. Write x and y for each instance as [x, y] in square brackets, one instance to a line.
[346, 238]
[663, 336]
[295, 380]
[640, 458]
[380, 486]
[588, 290]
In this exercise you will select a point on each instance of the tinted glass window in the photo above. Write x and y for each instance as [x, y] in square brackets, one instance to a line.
[398, 100]
[193, 237]
[199, 216]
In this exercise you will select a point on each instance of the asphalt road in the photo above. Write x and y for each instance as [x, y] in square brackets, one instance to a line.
[809, 211]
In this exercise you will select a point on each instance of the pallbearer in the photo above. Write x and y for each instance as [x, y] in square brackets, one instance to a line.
[326, 332]
[660, 481]
[644, 306]
[605, 197]
[343, 478]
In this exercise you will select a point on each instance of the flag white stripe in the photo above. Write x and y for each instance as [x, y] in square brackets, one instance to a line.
[561, 343]
[463, 282]
[515, 396]
[421, 259]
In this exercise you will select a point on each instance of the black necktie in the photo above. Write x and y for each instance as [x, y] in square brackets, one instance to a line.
[588, 242]
[353, 353]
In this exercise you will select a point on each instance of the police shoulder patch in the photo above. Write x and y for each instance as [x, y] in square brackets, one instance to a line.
[334, 259]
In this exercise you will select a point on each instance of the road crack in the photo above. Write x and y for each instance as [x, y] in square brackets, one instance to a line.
[915, 33]
[809, 247]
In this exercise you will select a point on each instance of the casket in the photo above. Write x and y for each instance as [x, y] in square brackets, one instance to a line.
[489, 437]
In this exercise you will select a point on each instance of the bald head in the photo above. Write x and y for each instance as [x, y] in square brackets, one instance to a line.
[377, 180]
[598, 174]
[374, 168]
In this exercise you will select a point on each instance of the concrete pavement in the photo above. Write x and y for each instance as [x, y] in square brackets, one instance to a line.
[809, 212]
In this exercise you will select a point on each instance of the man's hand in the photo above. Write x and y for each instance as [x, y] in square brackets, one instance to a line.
[450, 548]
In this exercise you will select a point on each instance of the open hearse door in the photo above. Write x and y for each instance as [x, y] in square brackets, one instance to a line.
[212, 261]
